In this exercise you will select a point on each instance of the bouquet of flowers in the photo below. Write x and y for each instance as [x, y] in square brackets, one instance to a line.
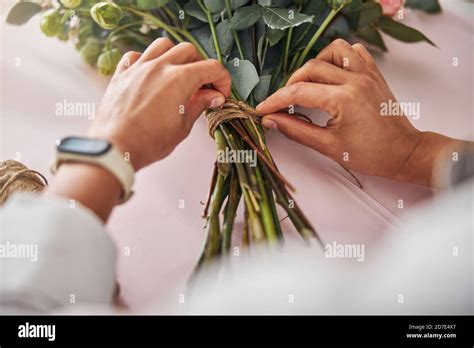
[261, 43]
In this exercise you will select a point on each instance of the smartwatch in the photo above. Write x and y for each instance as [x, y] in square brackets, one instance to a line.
[99, 152]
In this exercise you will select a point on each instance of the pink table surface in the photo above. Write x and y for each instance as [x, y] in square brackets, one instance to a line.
[162, 237]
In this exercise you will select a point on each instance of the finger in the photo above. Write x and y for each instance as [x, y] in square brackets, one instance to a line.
[128, 59]
[202, 100]
[305, 94]
[364, 54]
[208, 71]
[157, 48]
[182, 53]
[321, 72]
[305, 133]
[341, 54]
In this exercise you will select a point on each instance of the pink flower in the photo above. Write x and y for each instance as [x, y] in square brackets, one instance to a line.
[390, 7]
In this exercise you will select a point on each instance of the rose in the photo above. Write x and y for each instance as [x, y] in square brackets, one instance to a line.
[51, 23]
[107, 14]
[390, 7]
[71, 3]
[108, 61]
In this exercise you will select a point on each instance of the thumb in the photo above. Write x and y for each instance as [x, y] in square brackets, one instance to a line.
[202, 100]
[303, 132]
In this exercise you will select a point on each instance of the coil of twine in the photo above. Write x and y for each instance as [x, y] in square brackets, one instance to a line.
[230, 110]
[15, 177]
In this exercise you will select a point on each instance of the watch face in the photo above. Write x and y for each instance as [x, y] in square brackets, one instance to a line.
[84, 146]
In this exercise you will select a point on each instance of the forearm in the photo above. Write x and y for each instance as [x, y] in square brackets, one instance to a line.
[421, 164]
[92, 186]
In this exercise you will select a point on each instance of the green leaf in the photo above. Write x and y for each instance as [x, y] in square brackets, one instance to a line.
[245, 17]
[224, 36]
[244, 76]
[260, 91]
[282, 18]
[430, 6]
[370, 14]
[202, 35]
[401, 31]
[219, 5]
[373, 37]
[21, 12]
[274, 36]
[338, 28]
[151, 4]
[192, 9]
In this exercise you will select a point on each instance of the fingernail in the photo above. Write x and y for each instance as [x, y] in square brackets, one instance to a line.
[217, 102]
[259, 105]
[270, 124]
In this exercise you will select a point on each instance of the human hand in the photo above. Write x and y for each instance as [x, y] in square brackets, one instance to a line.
[344, 81]
[154, 99]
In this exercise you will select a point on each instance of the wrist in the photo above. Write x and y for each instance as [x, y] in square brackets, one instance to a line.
[419, 166]
[91, 185]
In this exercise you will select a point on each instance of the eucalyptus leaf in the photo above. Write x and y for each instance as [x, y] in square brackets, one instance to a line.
[202, 35]
[21, 12]
[245, 17]
[260, 91]
[282, 18]
[401, 31]
[274, 36]
[219, 5]
[282, 3]
[224, 36]
[244, 76]
[193, 9]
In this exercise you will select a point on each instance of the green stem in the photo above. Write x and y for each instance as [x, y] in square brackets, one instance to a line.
[119, 29]
[266, 211]
[212, 246]
[234, 33]
[286, 51]
[264, 55]
[230, 211]
[213, 30]
[150, 19]
[316, 36]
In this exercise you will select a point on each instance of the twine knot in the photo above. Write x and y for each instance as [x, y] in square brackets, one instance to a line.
[230, 110]
[14, 177]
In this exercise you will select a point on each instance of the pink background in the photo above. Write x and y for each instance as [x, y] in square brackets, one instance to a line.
[165, 240]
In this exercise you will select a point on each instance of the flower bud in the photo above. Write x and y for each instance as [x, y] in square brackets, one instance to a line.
[108, 61]
[50, 23]
[107, 15]
[71, 3]
[91, 51]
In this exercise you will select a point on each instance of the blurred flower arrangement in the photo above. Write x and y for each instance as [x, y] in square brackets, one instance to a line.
[261, 43]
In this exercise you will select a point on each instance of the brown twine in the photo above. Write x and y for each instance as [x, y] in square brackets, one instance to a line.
[231, 109]
[15, 177]
[234, 109]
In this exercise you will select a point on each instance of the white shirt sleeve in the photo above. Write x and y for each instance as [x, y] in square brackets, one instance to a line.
[53, 253]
